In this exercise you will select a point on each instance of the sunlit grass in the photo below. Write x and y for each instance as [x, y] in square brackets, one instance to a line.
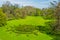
[30, 20]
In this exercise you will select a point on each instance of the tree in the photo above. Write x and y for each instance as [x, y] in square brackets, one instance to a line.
[56, 29]
[47, 13]
[38, 11]
[9, 8]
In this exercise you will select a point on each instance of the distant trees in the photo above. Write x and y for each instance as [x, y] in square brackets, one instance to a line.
[13, 11]
[38, 12]
[8, 8]
[30, 11]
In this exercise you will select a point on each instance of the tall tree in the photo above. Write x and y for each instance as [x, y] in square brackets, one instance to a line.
[57, 16]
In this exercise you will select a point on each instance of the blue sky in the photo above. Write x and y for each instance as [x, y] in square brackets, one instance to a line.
[35, 3]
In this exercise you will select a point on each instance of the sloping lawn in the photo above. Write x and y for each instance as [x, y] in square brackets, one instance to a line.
[7, 35]
[30, 20]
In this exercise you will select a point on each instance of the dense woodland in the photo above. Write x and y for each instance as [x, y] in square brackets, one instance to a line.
[9, 12]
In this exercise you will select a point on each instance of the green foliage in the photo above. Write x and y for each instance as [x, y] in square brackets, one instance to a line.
[33, 19]
[15, 24]
[2, 18]
[47, 13]
[44, 29]
[48, 29]
[23, 29]
[56, 29]
[8, 9]
[14, 12]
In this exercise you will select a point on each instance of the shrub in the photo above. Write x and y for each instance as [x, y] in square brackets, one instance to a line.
[2, 19]
[23, 29]
[48, 28]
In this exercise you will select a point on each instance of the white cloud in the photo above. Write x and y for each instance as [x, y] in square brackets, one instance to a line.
[29, 3]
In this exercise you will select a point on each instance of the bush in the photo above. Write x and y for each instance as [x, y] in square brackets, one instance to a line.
[2, 19]
[48, 28]
[23, 29]
[44, 29]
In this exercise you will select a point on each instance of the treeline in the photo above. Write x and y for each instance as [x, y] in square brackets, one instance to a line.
[14, 11]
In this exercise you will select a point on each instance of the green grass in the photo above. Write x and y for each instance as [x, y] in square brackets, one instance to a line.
[30, 20]
[8, 35]
[4, 35]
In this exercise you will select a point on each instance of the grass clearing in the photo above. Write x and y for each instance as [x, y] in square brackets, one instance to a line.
[30, 20]
[7, 35]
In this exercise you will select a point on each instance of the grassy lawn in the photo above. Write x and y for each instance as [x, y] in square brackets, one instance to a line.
[7, 35]
[4, 35]
[30, 20]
